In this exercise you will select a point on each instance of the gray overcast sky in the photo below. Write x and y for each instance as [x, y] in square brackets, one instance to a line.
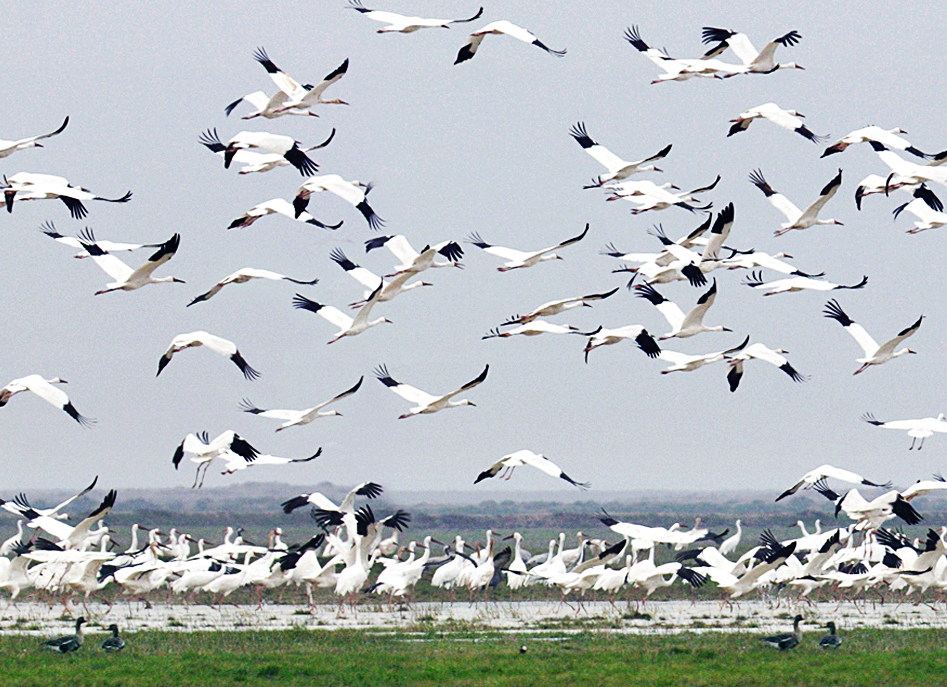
[481, 146]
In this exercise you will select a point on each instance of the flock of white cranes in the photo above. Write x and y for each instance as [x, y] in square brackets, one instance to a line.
[489, 171]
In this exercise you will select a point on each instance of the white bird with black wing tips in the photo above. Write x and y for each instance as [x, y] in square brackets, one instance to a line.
[607, 337]
[757, 351]
[68, 536]
[277, 206]
[874, 354]
[928, 209]
[682, 326]
[399, 23]
[825, 471]
[301, 96]
[411, 260]
[870, 514]
[510, 462]
[787, 119]
[125, 278]
[680, 69]
[756, 61]
[755, 281]
[917, 429]
[426, 403]
[559, 306]
[683, 362]
[618, 169]
[501, 27]
[348, 326]
[371, 281]
[796, 218]
[31, 186]
[353, 192]
[7, 148]
[236, 461]
[244, 275]
[45, 390]
[368, 489]
[887, 137]
[287, 146]
[204, 450]
[291, 418]
[217, 344]
[253, 161]
[910, 173]
[49, 229]
[534, 328]
[517, 258]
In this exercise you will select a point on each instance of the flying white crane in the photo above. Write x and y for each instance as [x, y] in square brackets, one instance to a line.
[753, 259]
[657, 197]
[402, 24]
[927, 207]
[756, 62]
[30, 186]
[797, 219]
[787, 119]
[682, 362]
[822, 472]
[618, 169]
[516, 258]
[916, 429]
[242, 276]
[7, 148]
[372, 281]
[236, 462]
[292, 418]
[411, 260]
[558, 306]
[352, 192]
[904, 172]
[286, 146]
[20, 502]
[86, 236]
[217, 344]
[682, 326]
[874, 354]
[125, 278]
[69, 536]
[277, 206]
[253, 161]
[887, 137]
[870, 515]
[301, 96]
[755, 281]
[426, 403]
[501, 27]
[367, 489]
[45, 390]
[680, 69]
[348, 326]
[607, 337]
[534, 328]
[508, 463]
[757, 351]
[204, 450]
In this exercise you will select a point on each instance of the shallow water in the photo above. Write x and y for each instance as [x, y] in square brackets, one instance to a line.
[526, 616]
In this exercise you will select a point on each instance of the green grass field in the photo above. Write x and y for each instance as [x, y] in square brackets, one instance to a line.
[436, 658]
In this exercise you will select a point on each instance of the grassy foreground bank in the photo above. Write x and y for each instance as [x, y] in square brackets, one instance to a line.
[434, 658]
